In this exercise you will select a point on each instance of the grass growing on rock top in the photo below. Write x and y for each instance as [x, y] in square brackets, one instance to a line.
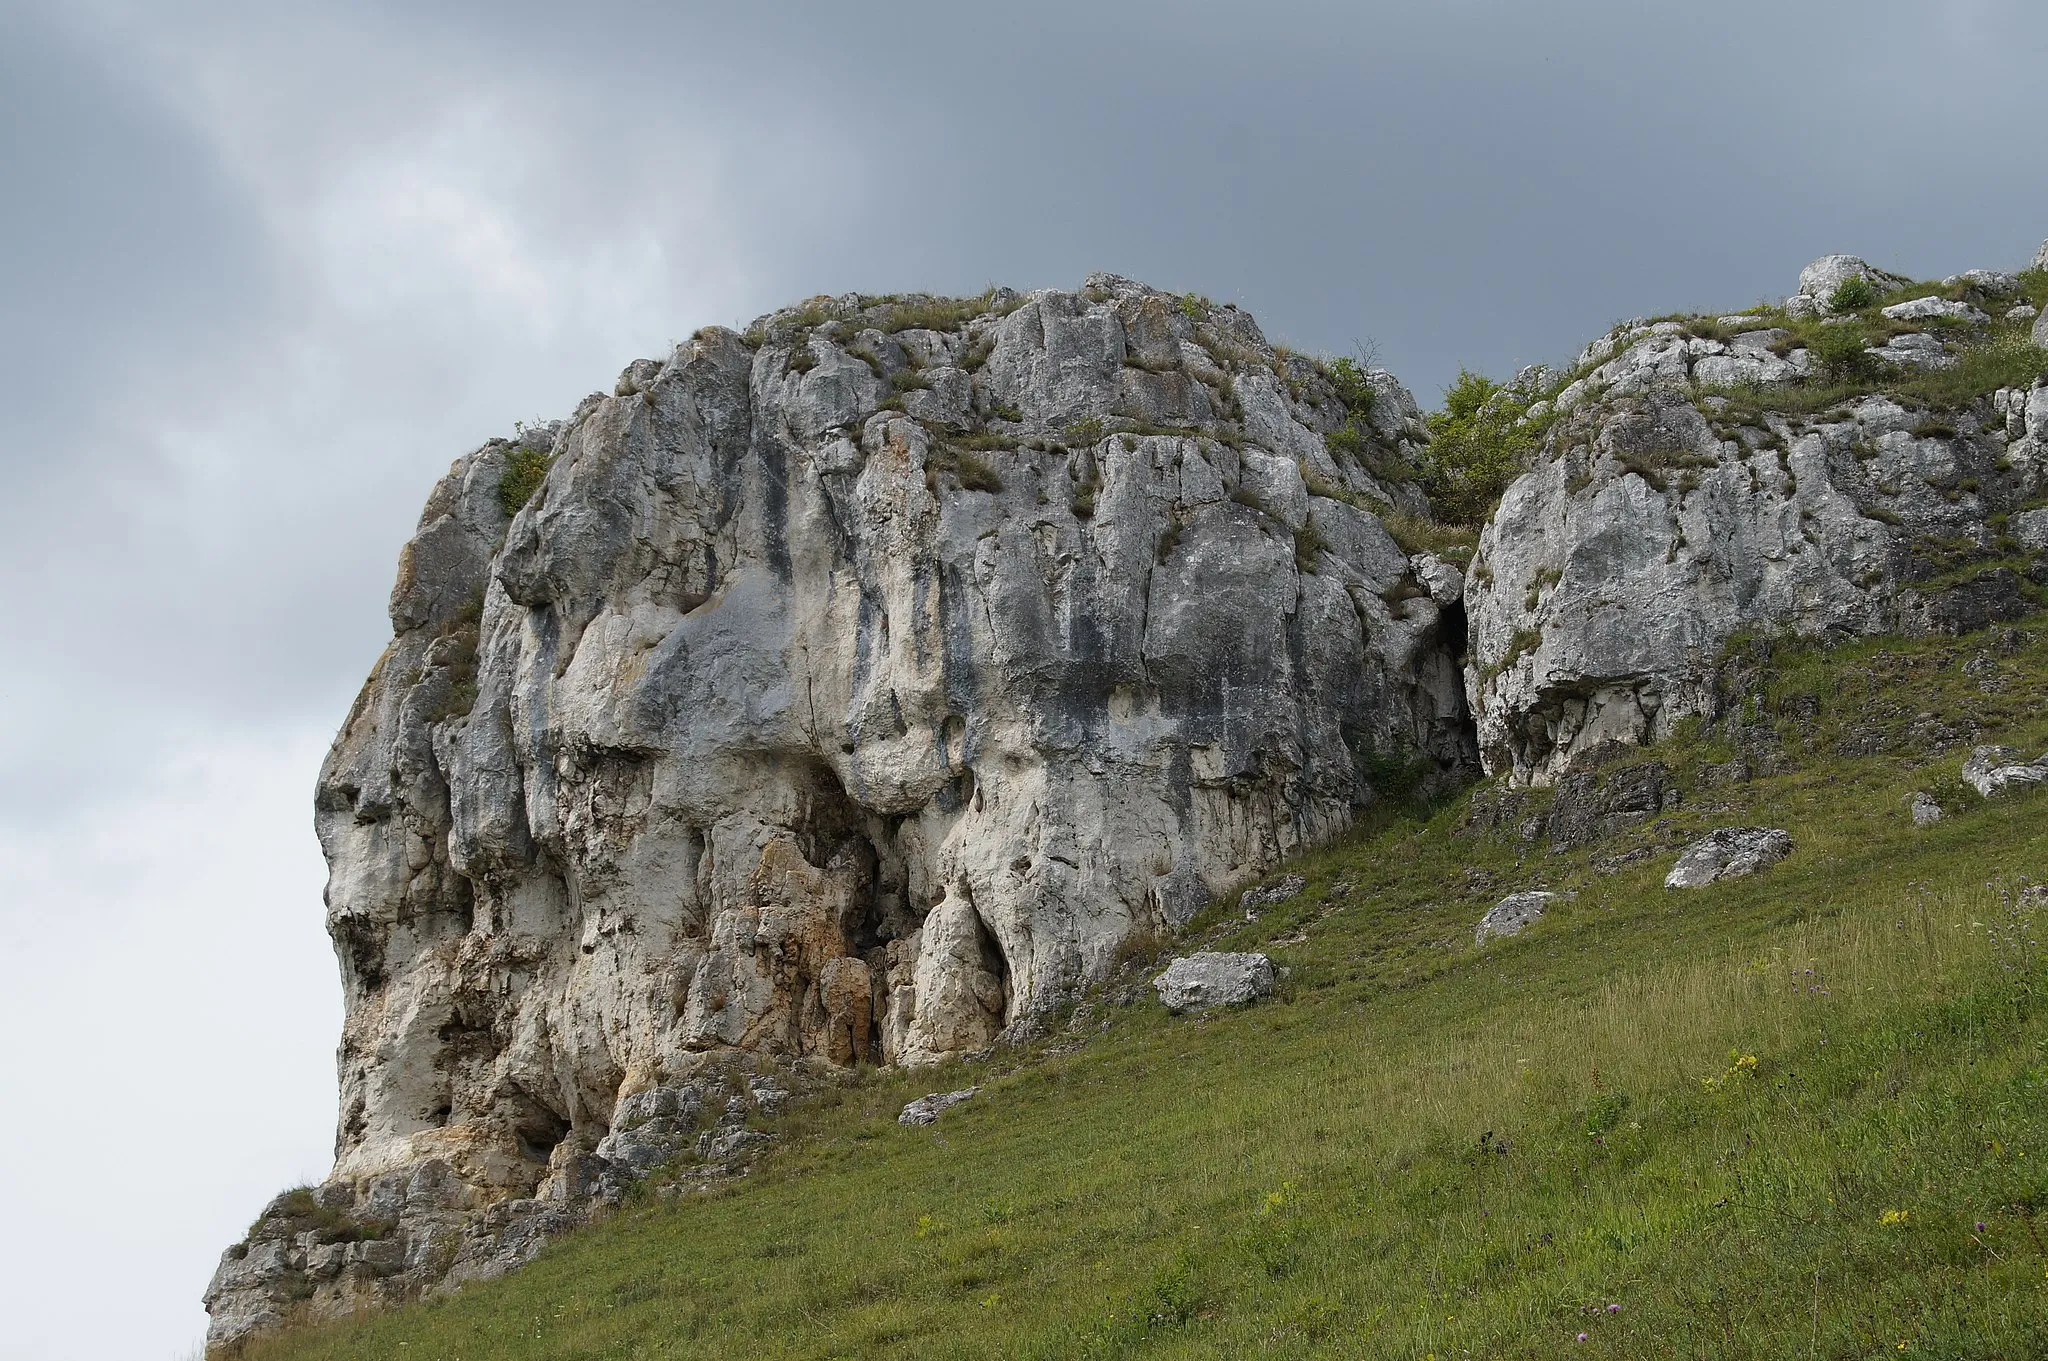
[1799, 1114]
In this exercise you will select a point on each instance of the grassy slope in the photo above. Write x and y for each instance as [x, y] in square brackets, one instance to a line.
[1422, 1149]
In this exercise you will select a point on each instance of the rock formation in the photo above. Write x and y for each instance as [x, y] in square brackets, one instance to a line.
[1672, 506]
[851, 689]
[845, 691]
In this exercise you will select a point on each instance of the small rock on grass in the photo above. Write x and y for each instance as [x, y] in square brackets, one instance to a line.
[1926, 812]
[1214, 978]
[1512, 914]
[1992, 771]
[1256, 900]
[1729, 853]
[927, 1108]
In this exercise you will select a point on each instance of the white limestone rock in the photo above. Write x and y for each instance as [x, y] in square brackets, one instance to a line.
[1819, 280]
[1995, 770]
[928, 1108]
[2030, 529]
[1987, 283]
[1211, 978]
[1652, 528]
[1729, 853]
[779, 727]
[1512, 915]
[1914, 351]
[1935, 309]
[1443, 580]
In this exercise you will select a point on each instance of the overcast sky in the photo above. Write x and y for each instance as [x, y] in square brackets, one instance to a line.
[266, 269]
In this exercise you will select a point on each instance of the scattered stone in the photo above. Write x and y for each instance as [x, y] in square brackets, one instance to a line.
[1926, 812]
[1512, 915]
[1729, 853]
[1257, 900]
[1214, 978]
[1992, 771]
[1443, 580]
[1736, 771]
[1991, 283]
[1914, 351]
[1935, 309]
[929, 1107]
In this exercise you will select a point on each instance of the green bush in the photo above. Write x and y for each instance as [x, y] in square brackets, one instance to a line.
[1853, 294]
[1839, 353]
[1476, 448]
[1348, 377]
[525, 470]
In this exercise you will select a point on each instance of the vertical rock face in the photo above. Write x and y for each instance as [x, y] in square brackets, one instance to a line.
[1677, 503]
[848, 691]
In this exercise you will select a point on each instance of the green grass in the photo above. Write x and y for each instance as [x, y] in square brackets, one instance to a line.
[1764, 1118]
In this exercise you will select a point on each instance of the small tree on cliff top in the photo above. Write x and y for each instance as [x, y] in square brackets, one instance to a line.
[1476, 448]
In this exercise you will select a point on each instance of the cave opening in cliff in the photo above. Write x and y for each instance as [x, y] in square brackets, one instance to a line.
[539, 1131]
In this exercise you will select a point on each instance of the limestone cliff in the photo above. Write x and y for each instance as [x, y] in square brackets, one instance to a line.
[1690, 488]
[852, 689]
[847, 690]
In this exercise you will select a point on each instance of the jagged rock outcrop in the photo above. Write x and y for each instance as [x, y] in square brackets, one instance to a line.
[1993, 771]
[847, 690]
[1672, 506]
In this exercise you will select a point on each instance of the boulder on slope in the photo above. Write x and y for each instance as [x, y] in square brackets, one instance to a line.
[1729, 853]
[1213, 978]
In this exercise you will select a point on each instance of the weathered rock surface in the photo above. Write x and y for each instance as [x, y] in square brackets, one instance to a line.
[1993, 771]
[926, 1109]
[1662, 517]
[1211, 978]
[1253, 901]
[1819, 280]
[1729, 853]
[1935, 309]
[1512, 915]
[1926, 812]
[847, 691]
